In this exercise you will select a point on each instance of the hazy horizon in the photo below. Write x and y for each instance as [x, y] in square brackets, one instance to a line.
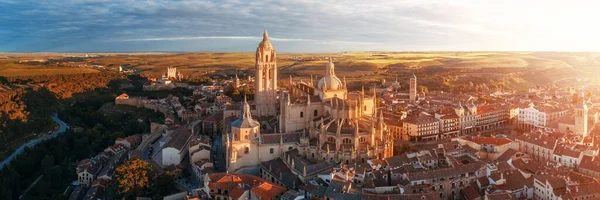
[100, 26]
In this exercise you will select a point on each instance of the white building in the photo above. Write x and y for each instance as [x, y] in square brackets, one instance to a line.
[540, 117]
[176, 148]
[200, 149]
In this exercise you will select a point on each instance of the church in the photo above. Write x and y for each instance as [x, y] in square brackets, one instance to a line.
[322, 120]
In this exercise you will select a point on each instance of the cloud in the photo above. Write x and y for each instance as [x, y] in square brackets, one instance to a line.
[251, 38]
[298, 25]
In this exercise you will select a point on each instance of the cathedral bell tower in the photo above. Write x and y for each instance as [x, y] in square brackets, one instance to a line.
[265, 82]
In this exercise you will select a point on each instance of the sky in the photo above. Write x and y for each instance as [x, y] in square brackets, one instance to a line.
[299, 25]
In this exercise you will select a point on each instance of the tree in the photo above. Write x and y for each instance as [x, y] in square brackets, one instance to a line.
[133, 176]
[163, 184]
[47, 162]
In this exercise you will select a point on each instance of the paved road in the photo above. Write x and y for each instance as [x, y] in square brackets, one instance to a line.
[218, 155]
[61, 129]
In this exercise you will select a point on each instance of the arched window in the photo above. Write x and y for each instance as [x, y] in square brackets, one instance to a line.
[315, 113]
[313, 155]
[330, 139]
[362, 139]
[301, 114]
[271, 150]
[246, 137]
[290, 148]
[347, 141]
[246, 150]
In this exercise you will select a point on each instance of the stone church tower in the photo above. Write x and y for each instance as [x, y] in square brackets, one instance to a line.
[412, 95]
[581, 119]
[265, 83]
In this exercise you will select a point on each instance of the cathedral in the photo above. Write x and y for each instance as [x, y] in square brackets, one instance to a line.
[322, 120]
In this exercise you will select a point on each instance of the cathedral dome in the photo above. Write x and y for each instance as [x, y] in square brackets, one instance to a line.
[265, 44]
[330, 81]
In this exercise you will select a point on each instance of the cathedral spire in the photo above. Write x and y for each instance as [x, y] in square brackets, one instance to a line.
[265, 35]
[246, 110]
[374, 102]
[363, 90]
[330, 67]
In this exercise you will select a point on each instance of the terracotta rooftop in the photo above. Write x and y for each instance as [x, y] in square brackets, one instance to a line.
[489, 140]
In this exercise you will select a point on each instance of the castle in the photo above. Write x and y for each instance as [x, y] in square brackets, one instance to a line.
[322, 120]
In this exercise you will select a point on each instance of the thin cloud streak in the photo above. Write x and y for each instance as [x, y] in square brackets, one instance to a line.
[253, 38]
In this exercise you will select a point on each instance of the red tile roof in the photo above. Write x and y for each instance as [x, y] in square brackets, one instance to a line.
[490, 140]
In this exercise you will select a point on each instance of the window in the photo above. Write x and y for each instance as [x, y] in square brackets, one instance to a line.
[330, 139]
[315, 113]
[246, 150]
[362, 139]
[271, 150]
[313, 155]
[301, 114]
[290, 148]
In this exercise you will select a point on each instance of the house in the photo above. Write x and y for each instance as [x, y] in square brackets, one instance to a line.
[130, 142]
[590, 166]
[200, 148]
[199, 167]
[539, 146]
[87, 169]
[97, 190]
[240, 186]
[565, 185]
[175, 149]
[489, 148]
[567, 156]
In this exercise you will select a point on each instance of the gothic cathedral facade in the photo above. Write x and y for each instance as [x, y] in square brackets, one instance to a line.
[321, 120]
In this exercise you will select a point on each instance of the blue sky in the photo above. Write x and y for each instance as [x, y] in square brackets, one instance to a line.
[299, 25]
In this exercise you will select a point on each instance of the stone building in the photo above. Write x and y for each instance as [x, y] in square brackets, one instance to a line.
[322, 120]
[266, 78]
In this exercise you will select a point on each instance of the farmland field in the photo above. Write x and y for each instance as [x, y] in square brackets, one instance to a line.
[350, 64]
